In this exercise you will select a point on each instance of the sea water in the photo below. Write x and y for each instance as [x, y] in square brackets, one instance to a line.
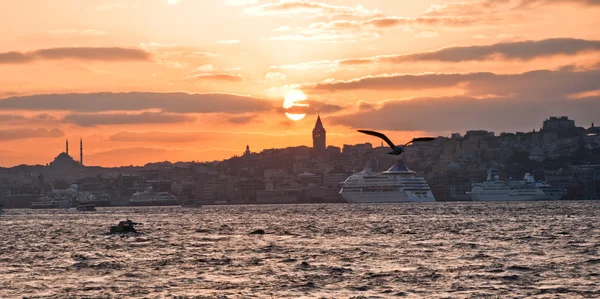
[409, 250]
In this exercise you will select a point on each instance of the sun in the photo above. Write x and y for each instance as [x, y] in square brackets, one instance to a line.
[291, 102]
[172, 2]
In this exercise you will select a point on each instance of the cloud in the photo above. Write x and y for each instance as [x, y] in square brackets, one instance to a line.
[428, 34]
[289, 8]
[83, 53]
[229, 41]
[331, 32]
[218, 77]
[312, 108]
[461, 113]
[397, 82]
[352, 31]
[495, 7]
[167, 137]
[241, 2]
[546, 2]
[328, 37]
[454, 15]
[244, 119]
[94, 119]
[21, 119]
[327, 65]
[76, 32]
[467, 7]
[15, 134]
[11, 117]
[539, 84]
[274, 76]
[204, 68]
[137, 101]
[523, 50]
[440, 22]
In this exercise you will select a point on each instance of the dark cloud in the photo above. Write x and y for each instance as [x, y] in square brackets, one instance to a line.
[541, 83]
[460, 113]
[495, 7]
[93, 119]
[136, 101]
[398, 82]
[15, 134]
[244, 119]
[317, 106]
[34, 119]
[313, 107]
[11, 117]
[82, 53]
[362, 106]
[524, 50]
[219, 77]
[167, 137]
[309, 8]
[441, 21]
[584, 2]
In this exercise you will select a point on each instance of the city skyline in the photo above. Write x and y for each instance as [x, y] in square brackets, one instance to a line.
[319, 143]
[192, 80]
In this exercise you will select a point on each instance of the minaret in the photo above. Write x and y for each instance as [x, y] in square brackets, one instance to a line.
[67, 147]
[319, 136]
[247, 152]
[81, 151]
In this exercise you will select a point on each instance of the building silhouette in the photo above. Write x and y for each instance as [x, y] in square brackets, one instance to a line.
[64, 162]
[319, 137]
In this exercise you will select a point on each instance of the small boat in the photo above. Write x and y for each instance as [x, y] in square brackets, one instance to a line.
[126, 226]
[86, 207]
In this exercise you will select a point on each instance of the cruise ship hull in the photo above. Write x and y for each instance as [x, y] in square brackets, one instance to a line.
[397, 184]
[494, 189]
[386, 197]
[169, 202]
[509, 197]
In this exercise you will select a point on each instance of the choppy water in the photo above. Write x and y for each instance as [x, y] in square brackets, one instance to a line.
[433, 250]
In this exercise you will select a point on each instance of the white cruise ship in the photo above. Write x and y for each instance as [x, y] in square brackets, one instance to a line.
[494, 189]
[397, 184]
[151, 198]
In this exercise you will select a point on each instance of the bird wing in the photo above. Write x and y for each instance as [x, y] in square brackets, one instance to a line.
[377, 134]
[420, 139]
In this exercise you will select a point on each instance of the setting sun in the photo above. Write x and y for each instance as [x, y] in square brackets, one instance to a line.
[291, 103]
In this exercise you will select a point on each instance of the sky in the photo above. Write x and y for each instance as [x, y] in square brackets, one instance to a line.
[197, 80]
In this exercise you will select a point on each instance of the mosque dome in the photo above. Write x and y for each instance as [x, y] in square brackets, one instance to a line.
[453, 167]
[63, 160]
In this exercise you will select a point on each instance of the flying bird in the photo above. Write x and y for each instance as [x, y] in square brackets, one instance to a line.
[396, 149]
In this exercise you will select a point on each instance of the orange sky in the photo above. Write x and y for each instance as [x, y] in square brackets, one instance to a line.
[153, 80]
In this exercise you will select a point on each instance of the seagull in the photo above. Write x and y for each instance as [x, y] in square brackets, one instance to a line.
[396, 149]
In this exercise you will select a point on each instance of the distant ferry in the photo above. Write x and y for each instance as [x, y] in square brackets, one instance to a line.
[494, 189]
[51, 202]
[151, 198]
[397, 184]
